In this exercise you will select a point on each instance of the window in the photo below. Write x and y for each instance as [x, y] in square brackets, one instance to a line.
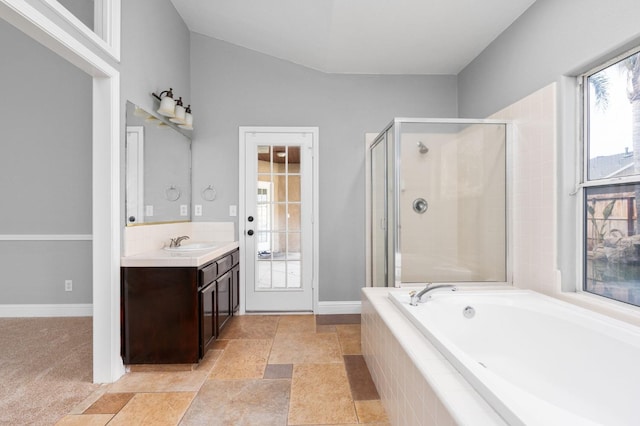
[612, 180]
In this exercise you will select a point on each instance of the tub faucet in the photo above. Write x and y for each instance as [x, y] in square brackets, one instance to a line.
[415, 298]
[175, 242]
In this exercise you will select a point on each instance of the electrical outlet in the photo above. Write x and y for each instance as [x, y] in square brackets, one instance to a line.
[183, 210]
[68, 285]
[198, 210]
[148, 210]
[233, 210]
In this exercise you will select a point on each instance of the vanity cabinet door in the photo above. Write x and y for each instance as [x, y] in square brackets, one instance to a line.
[235, 289]
[223, 300]
[207, 316]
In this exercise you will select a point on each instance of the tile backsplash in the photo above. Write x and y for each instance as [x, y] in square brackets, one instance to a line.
[140, 239]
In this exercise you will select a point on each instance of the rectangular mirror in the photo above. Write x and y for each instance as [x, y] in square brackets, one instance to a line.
[158, 170]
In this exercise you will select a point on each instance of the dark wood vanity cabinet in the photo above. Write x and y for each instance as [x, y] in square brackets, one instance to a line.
[170, 315]
[160, 315]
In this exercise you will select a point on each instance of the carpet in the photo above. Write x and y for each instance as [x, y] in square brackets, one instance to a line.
[45, 368]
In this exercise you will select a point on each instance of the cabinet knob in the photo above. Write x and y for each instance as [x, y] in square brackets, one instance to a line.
[250, 218]
[250, 232]
[132, 218]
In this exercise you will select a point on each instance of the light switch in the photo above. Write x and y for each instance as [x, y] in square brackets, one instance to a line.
[198, 210]
[233, 210]
[183, 210]
[148, 211]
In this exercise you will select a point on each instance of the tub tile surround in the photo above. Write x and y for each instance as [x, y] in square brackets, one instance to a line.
[417, 385]
[142, 239]
[533, 206]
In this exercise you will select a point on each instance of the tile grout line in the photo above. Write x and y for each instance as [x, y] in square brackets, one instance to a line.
[200, 388]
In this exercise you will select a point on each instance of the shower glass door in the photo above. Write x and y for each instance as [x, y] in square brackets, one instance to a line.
[452, 223]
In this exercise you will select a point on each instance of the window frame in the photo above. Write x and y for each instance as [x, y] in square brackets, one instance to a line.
[106, 34]
[584, 182]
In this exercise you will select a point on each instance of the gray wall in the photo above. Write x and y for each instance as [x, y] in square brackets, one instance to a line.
[155, 57]
[45, 159]
[552, 38]
[45, 165]
[240, 87]
[553, 41]
[155, 53]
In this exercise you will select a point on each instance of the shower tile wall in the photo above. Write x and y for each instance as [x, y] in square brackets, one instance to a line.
[533, 204]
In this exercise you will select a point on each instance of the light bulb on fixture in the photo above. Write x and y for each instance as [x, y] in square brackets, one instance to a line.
[180, 113]
[167, 103]
[188, 120]
[281, 154]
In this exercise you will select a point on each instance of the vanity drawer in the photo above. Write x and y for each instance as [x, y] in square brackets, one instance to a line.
[235, 257]
[208, 274]
[224, 264]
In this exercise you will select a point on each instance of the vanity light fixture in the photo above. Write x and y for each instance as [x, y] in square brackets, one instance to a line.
[174, 109]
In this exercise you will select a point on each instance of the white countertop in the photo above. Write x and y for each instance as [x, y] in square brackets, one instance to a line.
[163, 258]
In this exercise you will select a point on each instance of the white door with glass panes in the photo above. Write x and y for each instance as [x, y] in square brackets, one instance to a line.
[278, 221]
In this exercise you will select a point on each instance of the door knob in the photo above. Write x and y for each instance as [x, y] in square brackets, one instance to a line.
[250, 218]
[250, 232]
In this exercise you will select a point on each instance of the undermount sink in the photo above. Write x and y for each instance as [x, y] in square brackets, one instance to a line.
[192, 247]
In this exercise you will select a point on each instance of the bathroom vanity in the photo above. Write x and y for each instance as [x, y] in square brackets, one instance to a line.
[174, 304]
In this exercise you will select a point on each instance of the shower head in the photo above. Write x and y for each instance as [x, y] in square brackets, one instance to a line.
[422, 148]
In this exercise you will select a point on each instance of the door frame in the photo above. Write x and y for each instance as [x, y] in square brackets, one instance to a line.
[242, 130]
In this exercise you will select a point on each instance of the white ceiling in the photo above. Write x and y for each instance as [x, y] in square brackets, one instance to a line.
[358, 36]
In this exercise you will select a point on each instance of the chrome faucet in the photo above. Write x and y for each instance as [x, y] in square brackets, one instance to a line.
[175, 242]
[415, 297]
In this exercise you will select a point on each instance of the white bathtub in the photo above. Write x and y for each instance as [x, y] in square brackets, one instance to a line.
[536, 360]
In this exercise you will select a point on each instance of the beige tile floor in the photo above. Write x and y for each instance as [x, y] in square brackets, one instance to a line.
[264, 370]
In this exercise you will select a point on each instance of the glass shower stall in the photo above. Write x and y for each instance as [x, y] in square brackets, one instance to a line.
[438, 202]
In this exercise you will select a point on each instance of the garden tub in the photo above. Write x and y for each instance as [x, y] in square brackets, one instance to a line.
[535, 359]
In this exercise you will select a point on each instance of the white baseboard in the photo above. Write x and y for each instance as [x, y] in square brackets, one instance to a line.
[68, 310]
[328, 308]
